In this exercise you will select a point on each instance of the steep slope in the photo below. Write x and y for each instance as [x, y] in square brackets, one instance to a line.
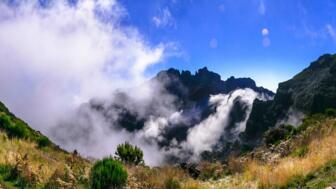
[311, 91]
[30, 160]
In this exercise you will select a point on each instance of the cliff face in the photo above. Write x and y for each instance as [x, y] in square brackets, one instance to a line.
[311, 91]
[203, 83]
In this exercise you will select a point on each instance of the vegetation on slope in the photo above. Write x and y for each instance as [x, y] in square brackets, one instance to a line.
[305, 159]
[108, 173]
[29, 160]
[311, 91]
[15, 127]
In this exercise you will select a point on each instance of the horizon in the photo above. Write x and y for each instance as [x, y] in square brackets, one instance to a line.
[270, 42]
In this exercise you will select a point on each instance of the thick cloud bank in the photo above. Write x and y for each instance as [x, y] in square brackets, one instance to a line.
[206, 134]
[56, 56]
[63, 63]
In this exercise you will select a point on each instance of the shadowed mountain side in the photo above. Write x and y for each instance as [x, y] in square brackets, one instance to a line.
[311, 91]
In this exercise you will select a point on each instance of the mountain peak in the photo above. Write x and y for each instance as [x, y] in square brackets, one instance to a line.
[204, 83]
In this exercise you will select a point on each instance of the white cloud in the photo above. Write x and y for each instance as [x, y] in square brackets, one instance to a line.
[262, 7]
[331, 31]
[213, 43]
[205, 135]
[154, 127]
[66, 53]
[55, 58]
[164, 19]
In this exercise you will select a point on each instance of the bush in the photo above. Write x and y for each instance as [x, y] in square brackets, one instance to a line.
[275, 135]
[211, 170]
[172, 183]
[5, 121]
[19, 130]
[129, 154]
[13, 128]
[108, 173]
[11, 174]
[330, 112]
[43, 141]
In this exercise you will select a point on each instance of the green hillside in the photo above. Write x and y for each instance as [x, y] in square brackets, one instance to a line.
[28, 159]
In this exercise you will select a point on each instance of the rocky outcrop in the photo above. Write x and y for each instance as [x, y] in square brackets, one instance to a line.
[311, 91]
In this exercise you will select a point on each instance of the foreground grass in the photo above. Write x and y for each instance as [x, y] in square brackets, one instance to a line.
[311, 164]
[29, 159]
[320, 179]
[23, 164]
[320, 149]
[167, 177]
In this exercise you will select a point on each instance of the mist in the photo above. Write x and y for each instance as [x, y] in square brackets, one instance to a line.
[55, 58]
[66, 66]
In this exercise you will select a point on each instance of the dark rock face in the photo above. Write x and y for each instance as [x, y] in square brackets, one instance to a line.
[311, 91]
[203, 84]
[189, 94]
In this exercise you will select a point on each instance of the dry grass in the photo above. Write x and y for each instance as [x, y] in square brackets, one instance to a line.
[321, 150]
[157, 178]
[40, 162]
[236, 181]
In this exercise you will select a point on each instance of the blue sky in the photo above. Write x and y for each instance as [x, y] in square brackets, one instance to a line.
[267, 40]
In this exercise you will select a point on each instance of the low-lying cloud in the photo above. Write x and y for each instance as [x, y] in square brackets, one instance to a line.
[66, 66]
[59, 55]
[205, 135]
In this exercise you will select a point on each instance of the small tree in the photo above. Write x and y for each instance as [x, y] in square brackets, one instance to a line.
[108, 173]
[129, 154]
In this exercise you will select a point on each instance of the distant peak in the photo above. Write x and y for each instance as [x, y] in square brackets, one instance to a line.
[326, 60]
[204, 69]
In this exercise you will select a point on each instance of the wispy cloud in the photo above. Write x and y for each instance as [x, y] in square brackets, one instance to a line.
[213, 43]
[221, 7]
[164, 19]
[331, 31]
[262, 7]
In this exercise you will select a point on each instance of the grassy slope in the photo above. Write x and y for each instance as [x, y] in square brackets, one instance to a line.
[26, 162]
[320, 179]
[29, 160]
[313, 167]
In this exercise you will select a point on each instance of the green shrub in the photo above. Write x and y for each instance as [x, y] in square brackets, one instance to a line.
[108, 173]
[19, 130]
[43, 141]
[11, 175]
[5, 121]
[330, 112]
[275, 135]
[300, 152]
[13, 128]
[172, 183]
[129, 154]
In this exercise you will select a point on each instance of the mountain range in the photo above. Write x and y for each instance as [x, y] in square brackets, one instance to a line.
[195, 115]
